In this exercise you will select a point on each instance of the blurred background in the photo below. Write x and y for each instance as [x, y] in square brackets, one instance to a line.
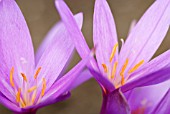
[41, 15]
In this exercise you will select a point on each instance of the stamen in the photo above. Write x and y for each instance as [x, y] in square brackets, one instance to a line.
[32, 89]
[23, 104]
[114, 70]
[113, 52]
[105, 68]
[124, 67]
[37, 72]
[44, 87]
[123, 80]
[33, 97]
[18, 95]
[24, 77]
[11, 77]
[136, 66]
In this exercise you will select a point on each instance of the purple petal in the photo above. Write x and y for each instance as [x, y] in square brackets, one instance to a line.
[154, 72]
[48, 102]
[115, 103]
[104, 33]
[84, 76]
[16, 49]
[56, 32]
[8, 104]
[71, 25]
[147, 35]
[64, 83]
[163, 106]
[147, 98]
[79, 40]
[57, 54]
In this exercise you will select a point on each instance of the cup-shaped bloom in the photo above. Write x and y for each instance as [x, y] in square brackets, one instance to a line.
[118, 72]
[28, 82]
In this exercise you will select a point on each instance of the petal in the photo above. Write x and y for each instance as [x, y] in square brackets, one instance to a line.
[147, 35]
[56, 32]
[104, 33]
[164, 104]
[16, 49]
[147, 98]
[63, 84]
[11, 106]
[115, 103]
[79, 41]
[56, 55]
[48, 102]
[72, 27]
[54, 59]
[84, 76]
[156, 71]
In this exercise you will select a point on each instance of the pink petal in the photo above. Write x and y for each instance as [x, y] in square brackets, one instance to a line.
[56, 32]
[83, 77]
[79, 41]
[16, 49]
[64, 83]
[147, 97]
[153, 72]
[104, 33]
[147, 35]
[164, 104]
[55, 57]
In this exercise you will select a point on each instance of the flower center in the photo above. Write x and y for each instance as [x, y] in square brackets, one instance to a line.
[25, 95]
[111, 69]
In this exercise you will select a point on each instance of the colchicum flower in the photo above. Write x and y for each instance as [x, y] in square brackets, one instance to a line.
[120, 72]
[150, 99]
[27, 82]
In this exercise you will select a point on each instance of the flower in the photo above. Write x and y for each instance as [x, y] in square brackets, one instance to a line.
[119, 72]
[149, 99]
[27, 82]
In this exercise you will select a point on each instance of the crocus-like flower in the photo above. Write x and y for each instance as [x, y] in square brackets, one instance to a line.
[27, 84]
[119, 72]
[149, 99]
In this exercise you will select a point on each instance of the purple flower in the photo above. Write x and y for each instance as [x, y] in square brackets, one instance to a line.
[27, 82]
[149, 99]
[119, 72]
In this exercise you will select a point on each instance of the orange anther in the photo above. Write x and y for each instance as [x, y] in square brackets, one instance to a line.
[114, 70]
[11, 77]
[113, 52]
[37, 72]
[32, 89]
[136, 66]
[105, 68]
[44, 87]
[18, 95]
[124, 67]
[24, 77]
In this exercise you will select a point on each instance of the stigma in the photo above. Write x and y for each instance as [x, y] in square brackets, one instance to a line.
[119, 77]
[26, 94]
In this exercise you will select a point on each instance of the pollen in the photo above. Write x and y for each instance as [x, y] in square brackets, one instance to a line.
[18, 95]
[105, 68]
[37, 72]
[24, 77]
[136, 66]
[43, 87]
[11, 77]
[113, 52]
[32, 89]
